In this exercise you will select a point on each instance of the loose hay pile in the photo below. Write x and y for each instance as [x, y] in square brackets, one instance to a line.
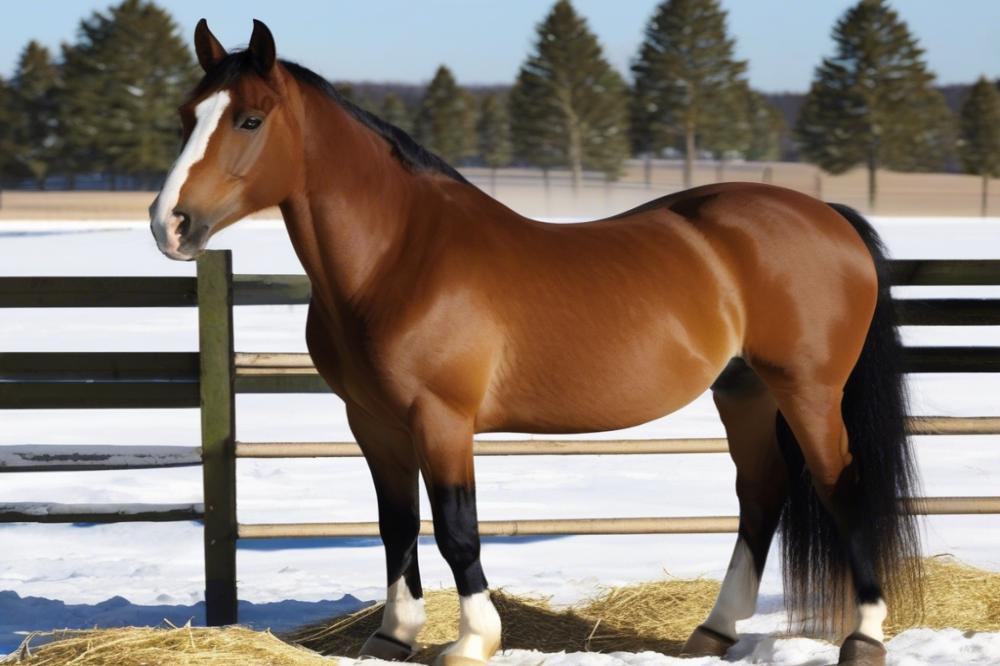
[956, 595]
[656, 616]
[175, 646]
[647, 616]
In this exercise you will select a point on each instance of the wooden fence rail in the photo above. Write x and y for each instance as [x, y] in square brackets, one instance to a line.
[926, 506]
[210, 378]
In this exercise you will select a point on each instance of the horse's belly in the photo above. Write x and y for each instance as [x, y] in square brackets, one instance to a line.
[587, 394]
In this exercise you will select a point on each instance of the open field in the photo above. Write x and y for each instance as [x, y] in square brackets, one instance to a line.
[524, 190]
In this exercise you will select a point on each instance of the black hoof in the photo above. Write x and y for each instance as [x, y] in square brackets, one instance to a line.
[861, 650]
[705, 642]
[387, 648]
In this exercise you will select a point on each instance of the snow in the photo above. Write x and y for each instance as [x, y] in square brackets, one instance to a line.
[155, 564]
[41, 509]
[50, 457]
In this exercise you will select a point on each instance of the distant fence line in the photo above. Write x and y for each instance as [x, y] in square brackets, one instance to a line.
[210, 379]
[528, 191]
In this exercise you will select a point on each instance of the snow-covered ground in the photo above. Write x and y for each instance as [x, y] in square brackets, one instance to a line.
[160, 564]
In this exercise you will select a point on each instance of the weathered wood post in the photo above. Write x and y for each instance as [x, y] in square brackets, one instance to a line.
[218, 433]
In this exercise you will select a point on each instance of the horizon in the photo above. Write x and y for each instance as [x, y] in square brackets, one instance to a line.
[782, 41]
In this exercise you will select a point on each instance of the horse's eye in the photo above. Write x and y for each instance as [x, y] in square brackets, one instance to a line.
[251, 123]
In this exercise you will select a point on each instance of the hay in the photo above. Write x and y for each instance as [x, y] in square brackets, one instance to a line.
[655, 616]
[955, 595]
[174, 646]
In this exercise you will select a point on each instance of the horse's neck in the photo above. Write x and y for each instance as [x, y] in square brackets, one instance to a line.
[352, 212]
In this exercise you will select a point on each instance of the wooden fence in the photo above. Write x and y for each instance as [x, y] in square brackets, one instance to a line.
[210, 379]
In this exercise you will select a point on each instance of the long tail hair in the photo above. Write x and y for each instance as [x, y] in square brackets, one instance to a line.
[818, 585]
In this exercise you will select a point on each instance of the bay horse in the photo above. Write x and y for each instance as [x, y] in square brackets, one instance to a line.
[437, 313]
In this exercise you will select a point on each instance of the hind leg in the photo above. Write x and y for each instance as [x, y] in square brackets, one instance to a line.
[814, 416]
[748, 413]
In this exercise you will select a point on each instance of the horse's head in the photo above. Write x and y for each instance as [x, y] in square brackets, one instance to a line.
[241, 142]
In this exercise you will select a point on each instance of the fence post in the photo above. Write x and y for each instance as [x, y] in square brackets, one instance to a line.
[218, 433]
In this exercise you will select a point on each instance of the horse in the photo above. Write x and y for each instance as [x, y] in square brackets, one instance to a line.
[437, 313]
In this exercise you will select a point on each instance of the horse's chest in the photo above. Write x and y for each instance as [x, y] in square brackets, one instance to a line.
[346, 360]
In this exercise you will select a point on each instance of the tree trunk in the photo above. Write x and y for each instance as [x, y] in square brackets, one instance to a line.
[689, 149]
[575, 158]
[984, 204]
[872, 183]
[648, 169]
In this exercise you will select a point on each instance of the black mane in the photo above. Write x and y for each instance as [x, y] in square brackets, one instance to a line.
[403, 146]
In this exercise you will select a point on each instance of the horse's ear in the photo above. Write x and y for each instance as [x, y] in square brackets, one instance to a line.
[208, 48]
[262, 48]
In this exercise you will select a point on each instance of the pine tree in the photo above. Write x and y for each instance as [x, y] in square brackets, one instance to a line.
[7, 166]
[445, 120]
[728, 136]
[394, 110]
[689, 88]
[766, 125]
[873, 103]
[568, 105]
[123, 80]
[33, 114]
[494, 135]
[356, 97]
[979, 148]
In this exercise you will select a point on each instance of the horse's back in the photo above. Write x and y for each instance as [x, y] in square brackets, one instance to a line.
[649, 306]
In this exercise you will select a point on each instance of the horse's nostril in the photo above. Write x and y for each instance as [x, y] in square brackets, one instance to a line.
[185, 224]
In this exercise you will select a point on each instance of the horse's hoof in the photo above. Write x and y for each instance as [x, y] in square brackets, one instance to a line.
[705, 642]
[387, 648]
[861, 650]
[468, 651]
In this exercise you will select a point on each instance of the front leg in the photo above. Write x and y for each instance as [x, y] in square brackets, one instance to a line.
[393, 464]
[443, 437]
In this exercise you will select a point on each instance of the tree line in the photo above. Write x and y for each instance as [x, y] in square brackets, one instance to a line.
[105, 107]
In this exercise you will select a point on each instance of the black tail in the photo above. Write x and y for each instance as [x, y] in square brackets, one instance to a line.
[816, 570]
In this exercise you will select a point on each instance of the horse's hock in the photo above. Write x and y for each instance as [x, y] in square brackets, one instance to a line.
[210, 378]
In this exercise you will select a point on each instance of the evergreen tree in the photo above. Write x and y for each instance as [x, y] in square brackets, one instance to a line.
[445, 119]
[353, 95]
[494, 135]
[7, 166]
[123, 80]
[394, 110]
[728, 136]
[766, 125]
[979, 148]
[568, 105]
[873, 103]
[689, 88]
[33, 114]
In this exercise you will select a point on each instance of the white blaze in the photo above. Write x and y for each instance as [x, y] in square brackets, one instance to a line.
[207, 115]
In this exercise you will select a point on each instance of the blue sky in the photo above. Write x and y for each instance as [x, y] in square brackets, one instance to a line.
[484, 41]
